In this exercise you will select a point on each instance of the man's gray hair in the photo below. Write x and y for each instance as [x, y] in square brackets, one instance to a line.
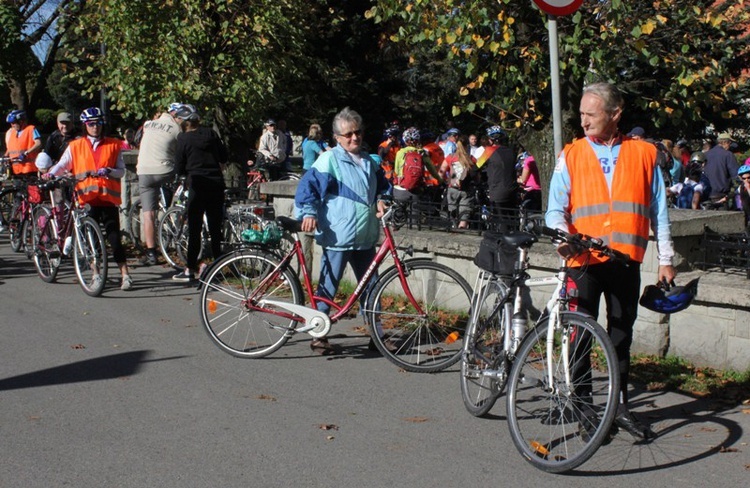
[346, 115]
[609, 94]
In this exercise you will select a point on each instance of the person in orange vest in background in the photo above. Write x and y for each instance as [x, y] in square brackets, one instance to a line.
[432, 185]
[22, 142]
[388, 149]
[610, 186]
[97, 164]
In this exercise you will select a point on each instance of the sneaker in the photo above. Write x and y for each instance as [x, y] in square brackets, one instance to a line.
[149, 259]
[127, 283]
[96, 281]
[184, 276]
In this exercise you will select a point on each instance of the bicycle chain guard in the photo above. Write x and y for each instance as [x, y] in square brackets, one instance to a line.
[317, 324]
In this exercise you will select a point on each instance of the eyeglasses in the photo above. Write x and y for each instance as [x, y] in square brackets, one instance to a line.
[351, 134]
[92, 123]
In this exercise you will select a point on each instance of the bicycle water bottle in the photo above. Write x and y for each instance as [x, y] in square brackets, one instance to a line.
[68, 246]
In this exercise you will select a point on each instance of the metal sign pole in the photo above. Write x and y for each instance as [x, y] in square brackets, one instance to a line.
[554, 65]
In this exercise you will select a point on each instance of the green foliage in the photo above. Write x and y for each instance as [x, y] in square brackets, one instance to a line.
[224, 56]
[679, 61]
[45, 116]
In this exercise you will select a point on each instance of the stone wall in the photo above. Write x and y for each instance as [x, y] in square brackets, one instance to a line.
[714, 331]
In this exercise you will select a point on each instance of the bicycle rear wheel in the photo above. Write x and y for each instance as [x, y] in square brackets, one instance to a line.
[90, 256]
[172, 234]
[484, 365]
[15, 222]
[46, 251]
[27, 237]
[134, 223]
[559, 426]
[422, 343]
[232, 288]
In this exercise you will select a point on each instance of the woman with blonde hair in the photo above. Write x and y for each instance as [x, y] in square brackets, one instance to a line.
[461, 172]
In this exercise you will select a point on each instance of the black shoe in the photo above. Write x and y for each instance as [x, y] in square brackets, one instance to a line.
[587, 427]
[186, 276]
[149, 260]
[627, 421]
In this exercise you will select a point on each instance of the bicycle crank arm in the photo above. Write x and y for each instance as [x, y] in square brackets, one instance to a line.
[317, 324]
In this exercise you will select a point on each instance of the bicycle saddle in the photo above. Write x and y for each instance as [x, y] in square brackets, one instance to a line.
[289, 224]
[518, 239]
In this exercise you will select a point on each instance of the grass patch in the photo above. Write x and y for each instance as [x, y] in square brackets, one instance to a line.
[674, 374]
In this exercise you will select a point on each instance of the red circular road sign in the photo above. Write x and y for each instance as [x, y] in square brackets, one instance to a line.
[558, 7]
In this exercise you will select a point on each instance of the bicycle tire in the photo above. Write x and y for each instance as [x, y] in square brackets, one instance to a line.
[90, 256]
[134, 223]
[230, 324]
[27, 237]
[545, 420]
[421, 344]
[182, 243]
[47, 254]
[484, 351]
[14, 226]
[170, 228]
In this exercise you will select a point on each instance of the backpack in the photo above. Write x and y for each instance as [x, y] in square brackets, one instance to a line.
[413, 171]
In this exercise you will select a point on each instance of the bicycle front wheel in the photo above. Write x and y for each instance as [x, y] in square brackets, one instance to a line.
[46, 251]
[484, 364]
[561, 405]
[420, 342]
[232, 289]
[90, 256]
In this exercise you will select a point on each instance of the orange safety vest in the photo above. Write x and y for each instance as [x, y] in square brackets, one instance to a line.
[94, 190]
[19, 142]
[620, 217]
[436, 157]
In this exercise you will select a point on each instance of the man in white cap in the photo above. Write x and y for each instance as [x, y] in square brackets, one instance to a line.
[721, 168]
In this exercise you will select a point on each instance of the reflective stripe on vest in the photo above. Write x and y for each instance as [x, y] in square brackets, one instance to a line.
[18, 143]
[619, 217]
[92, 189]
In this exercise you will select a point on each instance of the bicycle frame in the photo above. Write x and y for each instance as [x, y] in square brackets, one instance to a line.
[310, 315]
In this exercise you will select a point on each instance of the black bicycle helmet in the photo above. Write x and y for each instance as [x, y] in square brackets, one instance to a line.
[669, 299]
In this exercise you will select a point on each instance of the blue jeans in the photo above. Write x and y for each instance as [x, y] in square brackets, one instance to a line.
[332, 267]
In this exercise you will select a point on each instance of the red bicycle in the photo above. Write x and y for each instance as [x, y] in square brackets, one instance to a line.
[416, 311]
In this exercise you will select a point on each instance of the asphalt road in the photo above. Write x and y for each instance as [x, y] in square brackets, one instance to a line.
[126, 390]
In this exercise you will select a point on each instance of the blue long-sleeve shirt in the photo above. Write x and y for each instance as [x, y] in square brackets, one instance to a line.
[558, 206]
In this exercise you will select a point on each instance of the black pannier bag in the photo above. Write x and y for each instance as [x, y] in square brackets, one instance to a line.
[495, 255]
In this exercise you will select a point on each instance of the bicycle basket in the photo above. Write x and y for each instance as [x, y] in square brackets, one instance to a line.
[35, 194]
[495, 255]
[270, 235]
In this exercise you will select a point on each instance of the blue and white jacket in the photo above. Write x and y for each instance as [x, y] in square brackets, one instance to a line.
[342, 195]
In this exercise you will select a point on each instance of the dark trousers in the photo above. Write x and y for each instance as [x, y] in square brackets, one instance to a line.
[620, 285]
[206, 197]
[109, 217]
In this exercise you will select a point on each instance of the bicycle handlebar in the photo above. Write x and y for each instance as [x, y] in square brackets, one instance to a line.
[583, 241]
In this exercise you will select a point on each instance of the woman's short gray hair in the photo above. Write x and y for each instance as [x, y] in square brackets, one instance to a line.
[609, 94]
[346, 115]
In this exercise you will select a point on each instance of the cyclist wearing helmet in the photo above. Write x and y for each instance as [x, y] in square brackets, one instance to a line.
[23, 142]
[413, 144]
[743, 173]
[499, 164]
[388, 149]
[155, 168]
[97, 164]
[618, 204]
[201, 156]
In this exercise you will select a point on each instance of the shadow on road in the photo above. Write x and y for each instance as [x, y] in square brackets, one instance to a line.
[103, 368]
